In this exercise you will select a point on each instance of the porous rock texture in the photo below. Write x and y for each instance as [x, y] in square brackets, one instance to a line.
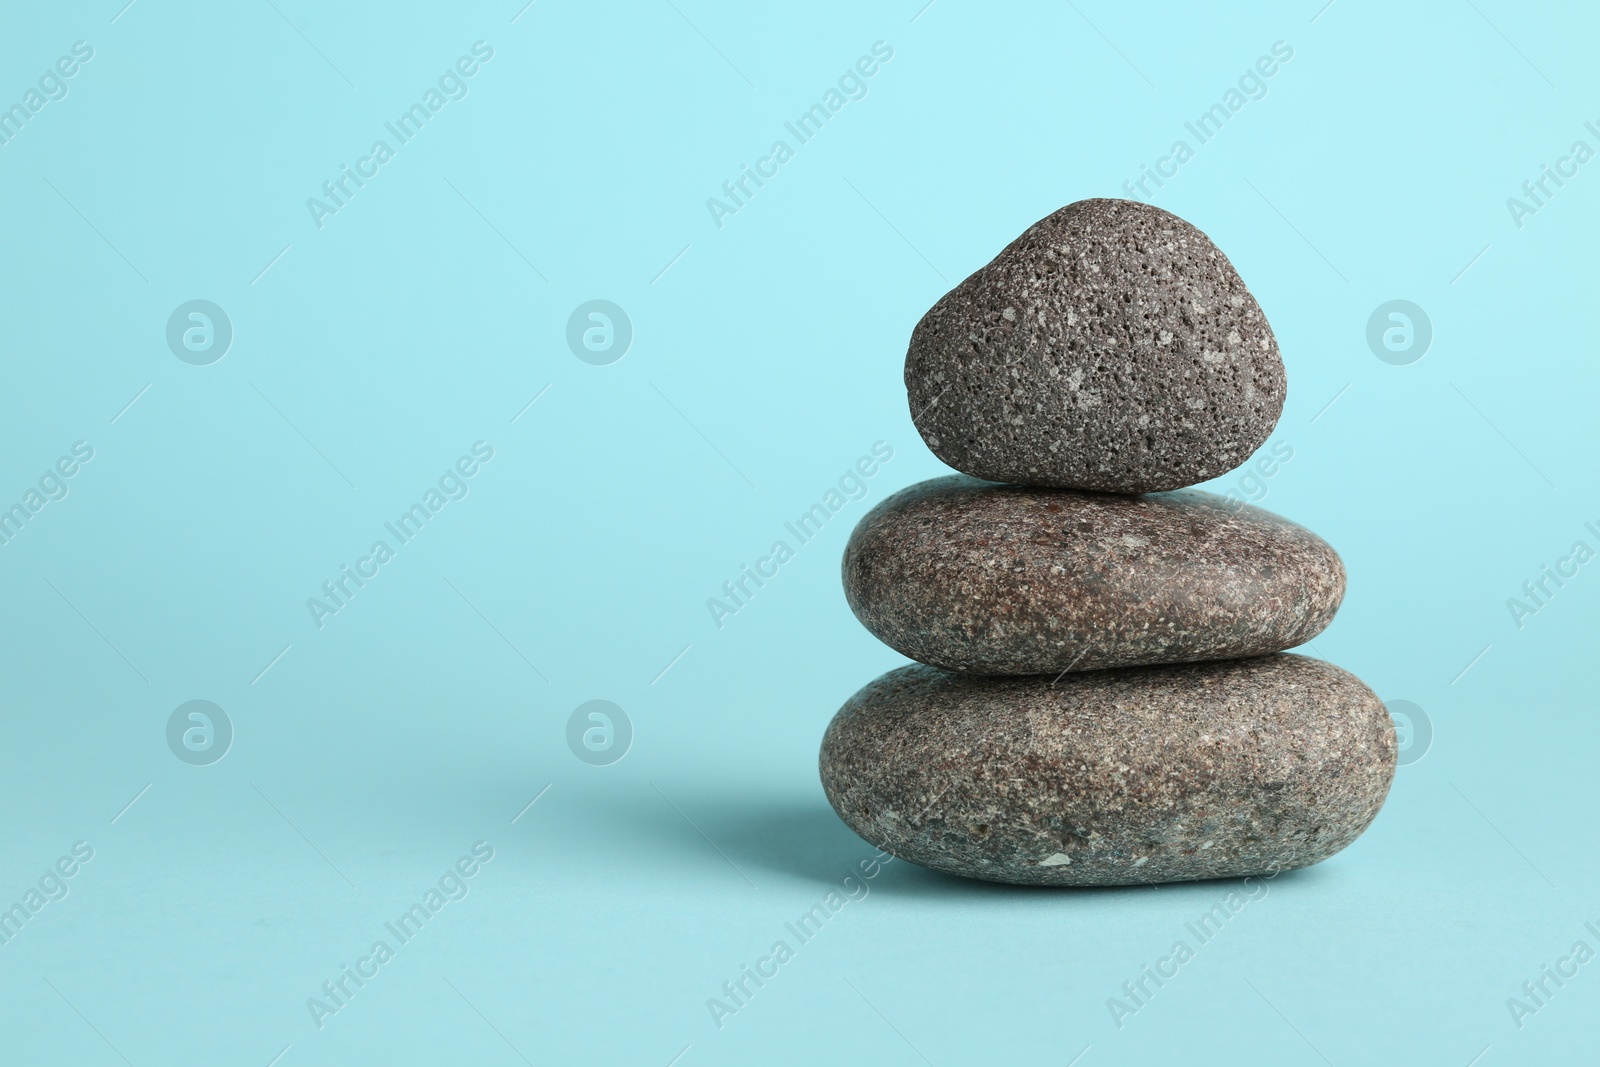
[1112, 346]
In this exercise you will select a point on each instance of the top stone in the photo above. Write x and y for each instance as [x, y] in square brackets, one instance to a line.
[1112, 346]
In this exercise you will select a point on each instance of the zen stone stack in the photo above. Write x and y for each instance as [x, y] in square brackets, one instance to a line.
[1106, 698]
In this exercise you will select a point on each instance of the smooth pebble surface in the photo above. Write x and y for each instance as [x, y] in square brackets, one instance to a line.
[995, 579]
[1151, 774]
[1112, 346]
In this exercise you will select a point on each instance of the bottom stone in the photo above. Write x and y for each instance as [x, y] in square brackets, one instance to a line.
[1115, 777]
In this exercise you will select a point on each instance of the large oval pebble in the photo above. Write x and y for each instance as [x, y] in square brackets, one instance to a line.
[994, 579]
[1144, 775]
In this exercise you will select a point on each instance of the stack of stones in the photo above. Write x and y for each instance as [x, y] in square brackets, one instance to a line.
[1101, 697]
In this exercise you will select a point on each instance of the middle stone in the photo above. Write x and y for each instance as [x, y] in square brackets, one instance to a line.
[998, 579]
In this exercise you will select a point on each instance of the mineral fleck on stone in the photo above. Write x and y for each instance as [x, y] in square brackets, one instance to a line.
[1119, 777]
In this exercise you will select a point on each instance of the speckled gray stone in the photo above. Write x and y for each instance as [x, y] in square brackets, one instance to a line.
[998, 579]
[1112, 346]
[1148, 774]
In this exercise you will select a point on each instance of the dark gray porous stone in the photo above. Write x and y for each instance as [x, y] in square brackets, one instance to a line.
[1112, 346]
[1140, 775]
[999, 579]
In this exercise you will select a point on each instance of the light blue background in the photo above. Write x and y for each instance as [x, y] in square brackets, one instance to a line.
[767, 357]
